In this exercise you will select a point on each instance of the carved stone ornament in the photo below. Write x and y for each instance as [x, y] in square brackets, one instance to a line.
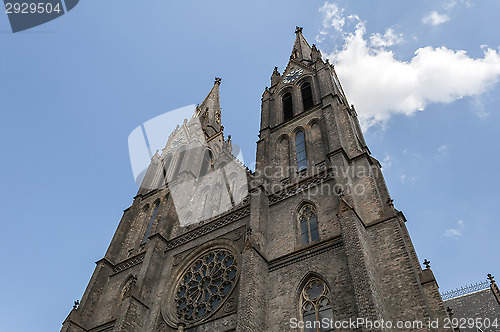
[162, 327]
[218, 115]
[177, 260]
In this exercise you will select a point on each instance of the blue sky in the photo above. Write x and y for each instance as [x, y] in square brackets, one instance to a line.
[73, 89]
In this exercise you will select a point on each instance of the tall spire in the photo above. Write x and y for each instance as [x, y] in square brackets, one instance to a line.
[209, 112]
[301, 49]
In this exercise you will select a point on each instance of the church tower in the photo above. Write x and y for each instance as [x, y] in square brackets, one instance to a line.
[311, 236]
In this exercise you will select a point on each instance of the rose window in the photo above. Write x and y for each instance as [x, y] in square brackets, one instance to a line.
[205, 284]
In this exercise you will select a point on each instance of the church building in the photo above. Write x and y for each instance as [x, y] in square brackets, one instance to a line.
[310, 236]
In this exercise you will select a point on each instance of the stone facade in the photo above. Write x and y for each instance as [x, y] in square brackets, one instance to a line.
[316, 208]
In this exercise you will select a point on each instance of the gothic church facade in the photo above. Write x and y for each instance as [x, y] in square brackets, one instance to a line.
[311, 234]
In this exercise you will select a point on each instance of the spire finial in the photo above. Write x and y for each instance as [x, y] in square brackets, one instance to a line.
[427, 264]
[298, 29]
[217, 80]
[491, 278]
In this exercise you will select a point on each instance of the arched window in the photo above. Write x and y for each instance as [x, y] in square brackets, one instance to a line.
[206, 211]
[308, 224]
[151, 221]
[287, 106]
[315, 305]
[300, 146]
[307, 97]
[207, 163]
[127, 288]
[166, 166]
[178, 165]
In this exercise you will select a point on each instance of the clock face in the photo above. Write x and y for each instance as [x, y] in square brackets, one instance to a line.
[293, 75]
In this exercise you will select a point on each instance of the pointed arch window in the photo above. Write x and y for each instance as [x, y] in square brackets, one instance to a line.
[300, 146]
[315, 305]
[307, 97]
[180, 159]
[207, 163]
[308, 224]
[207, 209]
[166, 166]
[287, 106]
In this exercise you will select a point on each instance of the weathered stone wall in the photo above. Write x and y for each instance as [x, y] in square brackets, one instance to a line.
[285, 281]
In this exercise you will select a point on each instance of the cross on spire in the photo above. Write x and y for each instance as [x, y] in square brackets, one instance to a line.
[491, 278]
[298, 29]
[427, 264]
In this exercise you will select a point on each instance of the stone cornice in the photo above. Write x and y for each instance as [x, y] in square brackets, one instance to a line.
[105, 261]
[128, 263]
[300, 187]
[207, 228]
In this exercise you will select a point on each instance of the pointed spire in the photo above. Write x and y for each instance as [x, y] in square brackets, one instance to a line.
[275, 78]
[301, 49]
[209, 111]
[315, 53]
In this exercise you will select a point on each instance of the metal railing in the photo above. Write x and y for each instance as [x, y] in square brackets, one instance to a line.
[465, 290]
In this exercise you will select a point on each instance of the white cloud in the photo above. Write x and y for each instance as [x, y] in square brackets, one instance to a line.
[434, 18]
[387, 162]
[443, 148]
[381, 86]
[389, 38]
[442, 151]
[334, 19]
[332, 16]
[405, 179]
[467, 3]
[452, 3]
[449, 4]
[479, 107]
[455, 233]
